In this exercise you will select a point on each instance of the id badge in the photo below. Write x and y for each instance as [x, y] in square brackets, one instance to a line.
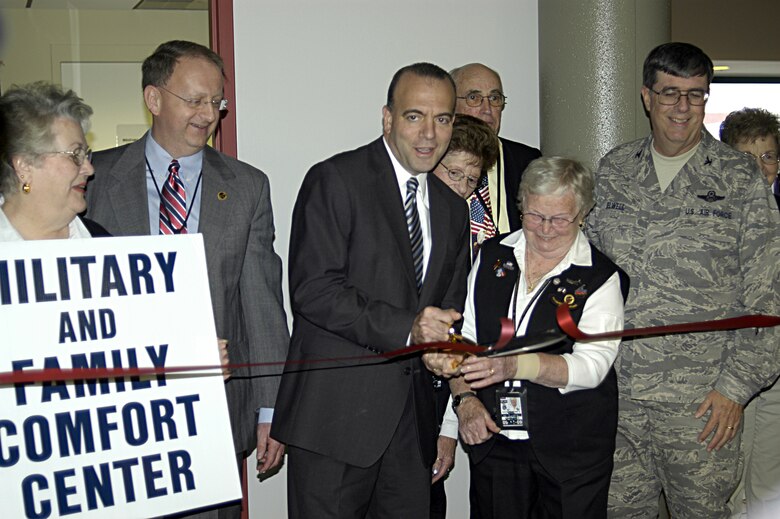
[512, 405]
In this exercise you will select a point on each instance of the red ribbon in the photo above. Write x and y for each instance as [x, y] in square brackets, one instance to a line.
[70, 374]
[563, 315]
[566, 324]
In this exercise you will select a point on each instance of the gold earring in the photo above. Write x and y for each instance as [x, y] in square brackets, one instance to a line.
[26, 188]
[582, 224]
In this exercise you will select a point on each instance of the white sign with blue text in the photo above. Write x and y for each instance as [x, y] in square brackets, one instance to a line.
[119, 447]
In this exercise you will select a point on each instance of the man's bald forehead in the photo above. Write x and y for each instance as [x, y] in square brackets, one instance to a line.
[459, 74]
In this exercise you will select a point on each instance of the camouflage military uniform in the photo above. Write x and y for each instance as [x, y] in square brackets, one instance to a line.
[705, 248]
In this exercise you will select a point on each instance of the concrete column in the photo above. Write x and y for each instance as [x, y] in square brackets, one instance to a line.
[590, 68]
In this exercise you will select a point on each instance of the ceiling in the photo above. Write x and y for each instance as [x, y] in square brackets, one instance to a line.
[114, 5]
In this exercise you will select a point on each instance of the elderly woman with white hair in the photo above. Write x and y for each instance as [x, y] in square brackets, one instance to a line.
[540, 427]
[44, 164]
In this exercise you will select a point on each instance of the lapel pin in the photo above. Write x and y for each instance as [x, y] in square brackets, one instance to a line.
[568, 300]
[500, 267]
[221, 195]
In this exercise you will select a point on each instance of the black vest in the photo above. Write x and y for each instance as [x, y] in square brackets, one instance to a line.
[568, 432]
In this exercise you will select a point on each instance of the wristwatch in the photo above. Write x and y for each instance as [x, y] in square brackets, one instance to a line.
[459, 398]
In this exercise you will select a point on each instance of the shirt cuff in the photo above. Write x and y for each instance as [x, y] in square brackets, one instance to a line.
[265, 415]
[449, 425]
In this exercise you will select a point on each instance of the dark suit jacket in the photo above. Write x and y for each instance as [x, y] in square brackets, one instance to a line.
[517, 156]
[243, 269]
[353, 292]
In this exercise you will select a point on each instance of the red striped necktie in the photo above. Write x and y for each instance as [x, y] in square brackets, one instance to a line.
[173, 203]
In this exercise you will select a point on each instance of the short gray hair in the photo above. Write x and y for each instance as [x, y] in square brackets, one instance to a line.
[27, 113]
[556, 175]
[749, 124]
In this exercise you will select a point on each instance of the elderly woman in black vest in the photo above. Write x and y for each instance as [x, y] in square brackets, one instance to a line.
[540, 427]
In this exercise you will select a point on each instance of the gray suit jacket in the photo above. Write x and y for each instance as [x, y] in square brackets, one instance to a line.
[243, 269]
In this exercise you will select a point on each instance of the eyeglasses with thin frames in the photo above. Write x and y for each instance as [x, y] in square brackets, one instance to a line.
[474, 99]
[671, 96]
[78, 156]
[768, 158]
[219, 104]
[457, 175]
[535, 220]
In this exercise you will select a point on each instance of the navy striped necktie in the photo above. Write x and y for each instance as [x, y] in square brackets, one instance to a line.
[415, 231]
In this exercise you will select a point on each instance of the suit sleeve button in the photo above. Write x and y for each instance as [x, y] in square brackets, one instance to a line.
[407, 371]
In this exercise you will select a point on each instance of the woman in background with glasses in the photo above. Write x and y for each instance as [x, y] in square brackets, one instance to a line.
[473, 150]
[540, 427]
[44, 164]
[757, 132]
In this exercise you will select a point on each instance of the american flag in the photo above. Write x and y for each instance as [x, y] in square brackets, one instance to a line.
[482, 226]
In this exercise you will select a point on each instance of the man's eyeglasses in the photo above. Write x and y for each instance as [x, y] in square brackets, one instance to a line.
[768, 158]
[474, 99]
[457, 175]
[671, 96]
[535, 220]
[195, 103]
[78, 156]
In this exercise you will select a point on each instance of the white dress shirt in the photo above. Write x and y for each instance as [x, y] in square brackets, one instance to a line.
[423, 206]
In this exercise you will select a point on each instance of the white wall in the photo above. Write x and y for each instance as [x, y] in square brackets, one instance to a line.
[311, 79]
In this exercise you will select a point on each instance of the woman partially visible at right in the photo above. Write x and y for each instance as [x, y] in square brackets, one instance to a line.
[756, 131]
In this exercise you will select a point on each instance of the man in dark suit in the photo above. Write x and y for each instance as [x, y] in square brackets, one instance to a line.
[225, 200]
[493, 206]
[362, 439]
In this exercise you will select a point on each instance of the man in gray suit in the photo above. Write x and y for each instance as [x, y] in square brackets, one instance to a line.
[171, 182]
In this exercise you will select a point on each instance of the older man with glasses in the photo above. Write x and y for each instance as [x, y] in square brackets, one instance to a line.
[688, 218]
[492, 206]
